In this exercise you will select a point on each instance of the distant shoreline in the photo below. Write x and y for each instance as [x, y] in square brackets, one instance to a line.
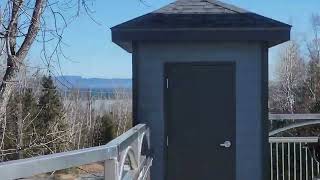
[78, 82]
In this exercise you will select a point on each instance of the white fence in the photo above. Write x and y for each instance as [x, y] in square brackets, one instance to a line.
[126, 157]
[293, 158]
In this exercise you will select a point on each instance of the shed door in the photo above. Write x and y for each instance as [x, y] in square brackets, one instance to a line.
[200, 121]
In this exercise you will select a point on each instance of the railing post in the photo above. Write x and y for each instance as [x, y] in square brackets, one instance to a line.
[111, 169]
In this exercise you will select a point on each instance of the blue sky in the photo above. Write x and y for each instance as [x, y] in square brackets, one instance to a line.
[94, 55]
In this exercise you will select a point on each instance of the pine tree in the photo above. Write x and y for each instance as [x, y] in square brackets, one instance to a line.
[107, 130]
[22, 109]
[29, 111]
[51, 125]
[313, 87]
[12, 116]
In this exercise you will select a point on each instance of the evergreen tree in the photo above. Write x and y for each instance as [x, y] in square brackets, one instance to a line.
[29, 104]
[12, 116]
[312, 87]
[50, 124]
[107, 129]
[29, 112]
[22, 109]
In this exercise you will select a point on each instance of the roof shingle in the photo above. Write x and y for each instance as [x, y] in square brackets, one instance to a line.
[200, 20]
[200, 14]
[198, 6]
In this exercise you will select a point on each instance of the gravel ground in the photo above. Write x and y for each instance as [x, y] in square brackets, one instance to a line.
[86, 172]
[68, 177]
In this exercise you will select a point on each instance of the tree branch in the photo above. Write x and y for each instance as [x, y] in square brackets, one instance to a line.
[32, 31]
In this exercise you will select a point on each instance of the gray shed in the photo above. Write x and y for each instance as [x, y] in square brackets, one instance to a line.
[200, 82]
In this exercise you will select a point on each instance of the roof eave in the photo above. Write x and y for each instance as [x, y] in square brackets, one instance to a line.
[274, 36]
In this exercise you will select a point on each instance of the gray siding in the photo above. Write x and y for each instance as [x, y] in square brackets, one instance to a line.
[150, 59]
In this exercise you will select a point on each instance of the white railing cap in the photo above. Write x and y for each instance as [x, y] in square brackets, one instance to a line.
[293, 139]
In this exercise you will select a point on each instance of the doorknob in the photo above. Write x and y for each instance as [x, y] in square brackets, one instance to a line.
[226, 144]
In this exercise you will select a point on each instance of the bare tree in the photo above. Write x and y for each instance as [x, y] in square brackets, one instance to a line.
[15, 54]
[313, 47]
[24, 22]
[290, 76]
[121, 110]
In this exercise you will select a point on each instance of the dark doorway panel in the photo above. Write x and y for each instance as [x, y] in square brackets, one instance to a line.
[200, 120]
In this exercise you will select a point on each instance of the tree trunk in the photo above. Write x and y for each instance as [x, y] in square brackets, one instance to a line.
[20, 134]
[15, 58]
[6, 86]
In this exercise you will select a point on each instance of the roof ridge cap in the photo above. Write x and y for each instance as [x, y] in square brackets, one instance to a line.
[226, 6]
[158, 9]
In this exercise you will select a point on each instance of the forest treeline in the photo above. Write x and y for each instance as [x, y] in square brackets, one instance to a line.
[295, 86]
[42, 119]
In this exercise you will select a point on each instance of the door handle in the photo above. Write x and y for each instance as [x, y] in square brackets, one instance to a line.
[226, 144]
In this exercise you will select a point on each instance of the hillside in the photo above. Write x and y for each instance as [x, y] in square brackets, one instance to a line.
[92, 83]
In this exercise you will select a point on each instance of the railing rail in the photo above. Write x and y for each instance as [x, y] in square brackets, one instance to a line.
[300, 120]
[293, 117]
[292, 157]
[293, 139]
[127, 146]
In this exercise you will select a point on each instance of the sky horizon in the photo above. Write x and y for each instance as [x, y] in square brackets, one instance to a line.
[93, 55]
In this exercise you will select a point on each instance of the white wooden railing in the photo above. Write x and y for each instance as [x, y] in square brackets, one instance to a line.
[125, 158]
[293, 158]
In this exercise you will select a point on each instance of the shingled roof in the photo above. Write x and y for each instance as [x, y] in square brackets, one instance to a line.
[199, 6]
[195, 15]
